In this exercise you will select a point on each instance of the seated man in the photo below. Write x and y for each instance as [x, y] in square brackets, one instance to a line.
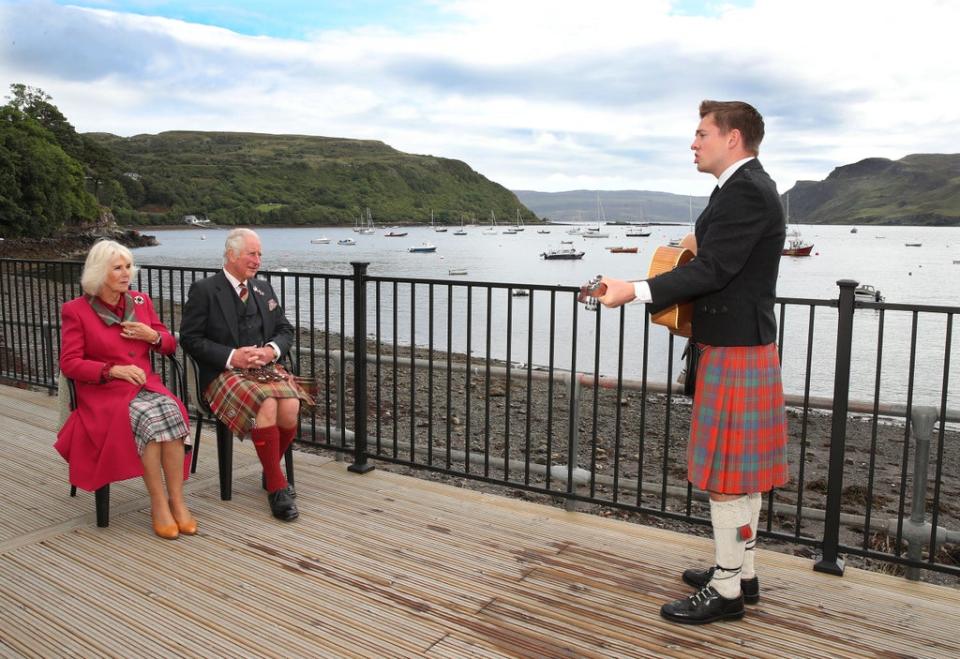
[233, 326]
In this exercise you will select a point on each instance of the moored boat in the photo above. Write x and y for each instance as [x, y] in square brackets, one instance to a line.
[319, 241]
[797, 246]
[395, 234]
[423, 248]
[867, 293]
[620, 249]
[564, 253]
[347, 241]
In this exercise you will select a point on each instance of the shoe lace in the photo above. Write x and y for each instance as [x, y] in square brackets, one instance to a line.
[705, 593]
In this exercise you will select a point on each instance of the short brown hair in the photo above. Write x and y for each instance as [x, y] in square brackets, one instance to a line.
[736, 114]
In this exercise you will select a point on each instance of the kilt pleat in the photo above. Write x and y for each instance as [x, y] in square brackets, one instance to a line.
[235, 400]
[738, 433]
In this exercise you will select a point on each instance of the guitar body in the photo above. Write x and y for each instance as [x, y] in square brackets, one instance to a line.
[678, 318]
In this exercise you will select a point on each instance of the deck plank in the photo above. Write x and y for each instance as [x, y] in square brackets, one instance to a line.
[384, 564]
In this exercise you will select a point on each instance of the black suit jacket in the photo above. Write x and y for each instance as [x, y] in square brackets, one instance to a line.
[733, 280]
[209, 327]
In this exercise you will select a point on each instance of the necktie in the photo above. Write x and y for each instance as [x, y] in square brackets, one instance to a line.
[714, 193]
[243, 292]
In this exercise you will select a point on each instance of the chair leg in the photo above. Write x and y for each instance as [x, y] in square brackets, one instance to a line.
[288, 460]
[196, 444]
[73, 490]
[102, 497]
[225, 461]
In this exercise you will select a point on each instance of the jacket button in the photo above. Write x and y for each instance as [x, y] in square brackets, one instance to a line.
[131, 354]
[723, 309]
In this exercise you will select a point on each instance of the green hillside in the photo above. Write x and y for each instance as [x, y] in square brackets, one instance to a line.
[921, 189]
[251, 178]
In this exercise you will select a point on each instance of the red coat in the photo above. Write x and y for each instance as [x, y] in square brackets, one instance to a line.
[97, 440]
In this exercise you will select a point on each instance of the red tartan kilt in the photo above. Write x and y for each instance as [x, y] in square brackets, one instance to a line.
[235, 400]
[738, 433]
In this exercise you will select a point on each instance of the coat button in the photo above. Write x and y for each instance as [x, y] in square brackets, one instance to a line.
[723, 309]
[131, 353]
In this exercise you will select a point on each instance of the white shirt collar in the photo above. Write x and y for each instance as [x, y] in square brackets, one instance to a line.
[729, 171]
[233, 280]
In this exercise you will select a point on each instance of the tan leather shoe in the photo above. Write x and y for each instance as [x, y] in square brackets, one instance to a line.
[166, 531]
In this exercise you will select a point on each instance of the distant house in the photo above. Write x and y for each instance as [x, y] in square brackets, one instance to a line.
[195, 221]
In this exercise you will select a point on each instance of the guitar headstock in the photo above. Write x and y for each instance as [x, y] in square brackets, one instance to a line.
[590, 291]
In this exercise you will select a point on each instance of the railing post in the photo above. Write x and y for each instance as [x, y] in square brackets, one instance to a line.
[921, 424]
[360, 464]
[573, 447]
[830, 561]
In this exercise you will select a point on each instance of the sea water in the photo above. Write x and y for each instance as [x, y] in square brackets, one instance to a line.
[873, 255]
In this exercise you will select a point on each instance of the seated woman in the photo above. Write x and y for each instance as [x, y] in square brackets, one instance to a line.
[127, 423]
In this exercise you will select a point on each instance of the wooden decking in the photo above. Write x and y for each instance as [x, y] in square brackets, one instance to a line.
[387, 565]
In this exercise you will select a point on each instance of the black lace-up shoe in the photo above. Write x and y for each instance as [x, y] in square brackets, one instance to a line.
[705, 605]
[700, 578]
[282, 505]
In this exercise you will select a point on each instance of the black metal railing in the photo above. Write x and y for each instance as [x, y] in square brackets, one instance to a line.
[534, 393]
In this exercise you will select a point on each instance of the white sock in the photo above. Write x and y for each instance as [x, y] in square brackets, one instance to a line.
[727, 518]
[749, 554]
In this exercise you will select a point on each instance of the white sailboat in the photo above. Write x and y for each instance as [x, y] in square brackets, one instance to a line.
[519, 226]
[492, 231]
[366, 228]
[460, 231]
[436, 227]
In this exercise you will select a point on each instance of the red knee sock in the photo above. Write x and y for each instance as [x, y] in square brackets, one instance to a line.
[286, 438]
[266, 441]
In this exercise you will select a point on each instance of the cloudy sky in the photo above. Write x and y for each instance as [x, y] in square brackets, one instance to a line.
[535, 94]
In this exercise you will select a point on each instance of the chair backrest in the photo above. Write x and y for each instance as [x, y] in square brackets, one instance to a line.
[66, 398]
[194, 397]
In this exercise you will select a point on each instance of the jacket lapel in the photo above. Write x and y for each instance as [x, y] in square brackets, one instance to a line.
[257, 288]
[225, 298]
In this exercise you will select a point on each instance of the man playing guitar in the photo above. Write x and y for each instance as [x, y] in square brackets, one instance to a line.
[737, 445]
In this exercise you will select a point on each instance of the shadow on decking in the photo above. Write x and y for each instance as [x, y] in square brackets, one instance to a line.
[384, 564]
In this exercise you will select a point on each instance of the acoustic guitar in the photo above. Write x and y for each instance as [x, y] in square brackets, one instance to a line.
[677, 318]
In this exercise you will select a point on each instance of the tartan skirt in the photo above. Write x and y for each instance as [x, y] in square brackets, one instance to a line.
[738, 432]
[235, 400]
[155, 417]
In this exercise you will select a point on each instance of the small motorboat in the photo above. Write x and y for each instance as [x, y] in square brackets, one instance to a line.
[867, 293]
[564, 253]
[543, 230]
[423, 248]
[620, 249]
[913, 244]
[319, 241]
[521, 292]
[638, 233]
[395, 234]
[457, 271]
[347, 241]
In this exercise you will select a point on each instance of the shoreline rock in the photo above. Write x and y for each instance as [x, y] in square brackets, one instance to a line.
[71, 245]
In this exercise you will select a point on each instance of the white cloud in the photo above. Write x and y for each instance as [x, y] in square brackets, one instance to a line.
[537, 95]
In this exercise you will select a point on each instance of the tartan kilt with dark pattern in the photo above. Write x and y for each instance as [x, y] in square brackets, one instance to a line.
[738, 433]
[235, 400]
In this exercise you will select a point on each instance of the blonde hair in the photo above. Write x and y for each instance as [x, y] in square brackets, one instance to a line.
[98, 262]
[235, 241]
